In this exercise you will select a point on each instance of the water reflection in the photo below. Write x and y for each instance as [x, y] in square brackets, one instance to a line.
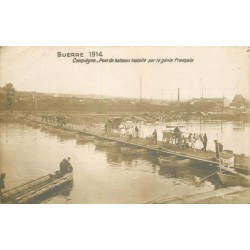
[195, 173]
[63, 191]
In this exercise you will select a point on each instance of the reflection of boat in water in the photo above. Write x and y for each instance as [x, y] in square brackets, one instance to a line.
[238, 129]
[36, 125]
[80, 137]
[44, 128]
[194, 174]
[36, 188]
[51, 129]
[29, 123]
[83, 142]
[228, 174]
[114, 157]
[106, 143]
[67, 134]
[174, 162]
[56, 131]
[133, 150]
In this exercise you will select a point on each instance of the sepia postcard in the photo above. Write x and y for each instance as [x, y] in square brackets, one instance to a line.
[124, 125]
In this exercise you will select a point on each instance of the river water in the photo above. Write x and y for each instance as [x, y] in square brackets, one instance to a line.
[101, 175]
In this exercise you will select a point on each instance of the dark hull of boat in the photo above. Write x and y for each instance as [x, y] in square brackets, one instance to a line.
[36, 188]
[134, 151]
[36, 125]
[67, 134]
[106, 143]
[173, 162]
[85, 137]
[233, 180]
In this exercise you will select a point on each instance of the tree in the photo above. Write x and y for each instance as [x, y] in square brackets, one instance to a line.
[9, 91]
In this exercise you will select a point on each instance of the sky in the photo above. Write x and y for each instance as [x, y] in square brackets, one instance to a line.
[214, 72]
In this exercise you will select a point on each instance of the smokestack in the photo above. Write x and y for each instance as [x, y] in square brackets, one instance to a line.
[178, 94]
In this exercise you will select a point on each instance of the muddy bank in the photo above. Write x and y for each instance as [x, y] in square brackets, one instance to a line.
[228, 195]
[241, 197]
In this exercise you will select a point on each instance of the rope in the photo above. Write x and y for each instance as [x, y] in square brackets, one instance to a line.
[207, 177]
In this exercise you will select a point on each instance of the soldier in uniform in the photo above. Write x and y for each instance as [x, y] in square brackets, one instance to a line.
[65, 166]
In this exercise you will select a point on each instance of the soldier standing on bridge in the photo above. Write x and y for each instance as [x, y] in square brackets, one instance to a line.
[106, 128]
[154, 136]
[176, 134]
[218, 148]
[137, 132]
[204, 143]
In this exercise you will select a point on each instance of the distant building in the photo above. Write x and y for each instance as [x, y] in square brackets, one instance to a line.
[239, 104]
[210, 102]
[238, 101]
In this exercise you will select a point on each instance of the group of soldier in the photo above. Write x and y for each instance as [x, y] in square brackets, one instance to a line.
[182, 141]
[125, 131]
[192, 140]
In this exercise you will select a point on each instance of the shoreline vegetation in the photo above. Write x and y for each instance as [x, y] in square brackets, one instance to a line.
[138, 109]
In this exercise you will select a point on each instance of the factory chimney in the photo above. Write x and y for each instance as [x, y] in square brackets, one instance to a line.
[178, 94]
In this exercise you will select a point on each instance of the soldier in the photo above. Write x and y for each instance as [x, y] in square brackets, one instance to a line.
[204, 143]
[106, 128]
[137, 132]
[218, 148]
[176, 134]
[65, 166]
[155, 136]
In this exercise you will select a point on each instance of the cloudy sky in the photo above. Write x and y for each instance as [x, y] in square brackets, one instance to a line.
[215, 71]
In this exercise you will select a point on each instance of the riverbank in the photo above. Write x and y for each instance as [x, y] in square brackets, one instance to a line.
[138, 116]
[228, 195]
